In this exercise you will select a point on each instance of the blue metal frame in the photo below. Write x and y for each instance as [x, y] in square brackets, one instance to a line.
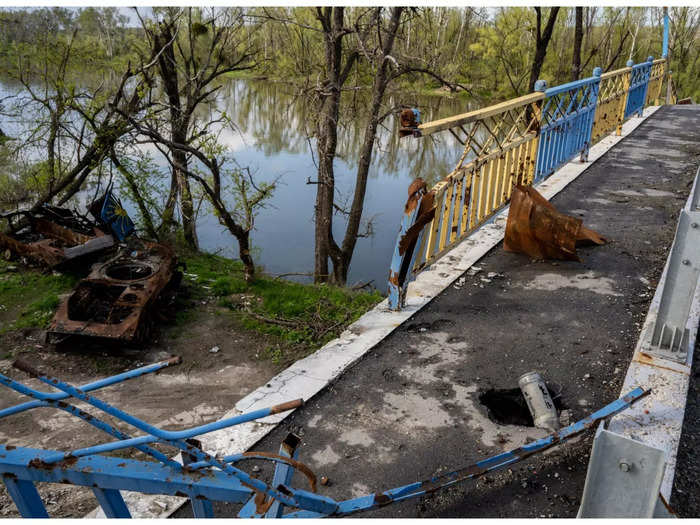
[639, 82]
[566, 123]
[664, 48]
[205, 478]
[398, 279]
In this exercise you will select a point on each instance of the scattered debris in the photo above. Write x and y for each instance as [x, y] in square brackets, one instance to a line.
[473, 270]
[214, 350]
[537, 229]
[53, 236]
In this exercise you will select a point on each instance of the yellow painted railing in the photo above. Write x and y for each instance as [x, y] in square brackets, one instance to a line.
[499, 152]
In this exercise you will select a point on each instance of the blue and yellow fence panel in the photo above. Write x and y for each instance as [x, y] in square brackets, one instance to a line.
[520, 141]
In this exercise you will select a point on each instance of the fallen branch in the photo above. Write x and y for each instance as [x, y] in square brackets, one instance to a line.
[360, 286]
[281, 322]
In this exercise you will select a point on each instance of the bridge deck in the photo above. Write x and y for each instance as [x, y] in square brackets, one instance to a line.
[410, 409]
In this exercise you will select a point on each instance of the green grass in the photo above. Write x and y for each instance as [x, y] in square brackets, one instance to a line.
[298, 318]
[294, 313]
[28, 297]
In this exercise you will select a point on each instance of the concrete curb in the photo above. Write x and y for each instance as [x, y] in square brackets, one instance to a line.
[310, 375]
[657, 420]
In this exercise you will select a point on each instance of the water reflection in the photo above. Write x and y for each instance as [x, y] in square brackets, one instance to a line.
[274, 138]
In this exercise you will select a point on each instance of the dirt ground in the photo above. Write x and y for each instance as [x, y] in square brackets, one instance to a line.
[200, 390]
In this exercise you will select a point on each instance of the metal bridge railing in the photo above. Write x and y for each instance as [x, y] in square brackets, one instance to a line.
[202, 477]
[521, 141]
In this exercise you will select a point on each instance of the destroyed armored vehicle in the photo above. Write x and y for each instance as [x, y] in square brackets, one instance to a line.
[117, 300]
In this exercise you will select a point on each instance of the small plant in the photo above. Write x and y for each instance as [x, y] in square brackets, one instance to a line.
[228, 285]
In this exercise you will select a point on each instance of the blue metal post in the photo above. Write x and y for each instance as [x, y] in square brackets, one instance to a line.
[650, 60]
[283, 475]
[595, 91]
[397, 289]
[26, 497]
[201, 508]
[111, 502]
[664, 52]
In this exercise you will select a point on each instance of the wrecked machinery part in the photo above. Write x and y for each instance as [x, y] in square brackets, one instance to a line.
[537, 229]
[539, 401]
[55, 236]
[207, 477]
[117, 299]
[409, 121]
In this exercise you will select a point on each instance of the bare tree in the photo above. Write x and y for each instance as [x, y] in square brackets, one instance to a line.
[338, 65]
[76, 125]
[578, 38]
[199, 46]
[542, 39]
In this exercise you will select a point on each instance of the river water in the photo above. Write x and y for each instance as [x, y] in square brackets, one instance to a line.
[271, 138]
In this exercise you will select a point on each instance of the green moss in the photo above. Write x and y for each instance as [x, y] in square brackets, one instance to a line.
[28, 298]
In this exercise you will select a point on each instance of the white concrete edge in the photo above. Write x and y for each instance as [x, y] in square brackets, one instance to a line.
[308, 376]
[657, 420]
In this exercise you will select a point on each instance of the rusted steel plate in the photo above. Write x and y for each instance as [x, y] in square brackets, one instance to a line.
[115, 300]
[537, 229]
[48, 243]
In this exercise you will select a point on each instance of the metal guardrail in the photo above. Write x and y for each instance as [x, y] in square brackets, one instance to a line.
[521, 141]
[203, 478]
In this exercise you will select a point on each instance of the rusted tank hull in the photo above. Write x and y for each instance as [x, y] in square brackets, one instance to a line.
[116, 300]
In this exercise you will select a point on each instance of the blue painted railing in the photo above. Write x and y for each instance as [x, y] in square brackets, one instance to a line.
[566, 123]
[639, 82]
[202, 477]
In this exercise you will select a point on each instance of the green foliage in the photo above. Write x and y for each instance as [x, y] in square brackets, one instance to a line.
[29, 298]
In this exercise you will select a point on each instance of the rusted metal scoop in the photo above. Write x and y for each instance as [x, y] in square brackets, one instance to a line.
[537, 229]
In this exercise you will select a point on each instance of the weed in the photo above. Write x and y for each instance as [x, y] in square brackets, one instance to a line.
[298, 315]
[29, 297]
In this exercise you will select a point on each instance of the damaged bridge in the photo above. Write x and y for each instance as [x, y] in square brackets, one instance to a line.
[434, 393]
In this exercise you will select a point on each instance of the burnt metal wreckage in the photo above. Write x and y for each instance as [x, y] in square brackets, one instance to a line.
[127, 279]
[53, 237]
[204, 478]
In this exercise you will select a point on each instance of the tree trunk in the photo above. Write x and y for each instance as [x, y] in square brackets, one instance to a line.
[327, 139]
[244, 253]
[179, 122]
[341, 261]
[578, 38]
[542, 41]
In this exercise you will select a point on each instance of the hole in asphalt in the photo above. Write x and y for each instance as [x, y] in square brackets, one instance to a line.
[508, 406]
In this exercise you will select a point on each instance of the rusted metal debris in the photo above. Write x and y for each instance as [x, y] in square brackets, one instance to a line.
[409, 120]
[116, 300]
[537, 229]
[53, 236]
